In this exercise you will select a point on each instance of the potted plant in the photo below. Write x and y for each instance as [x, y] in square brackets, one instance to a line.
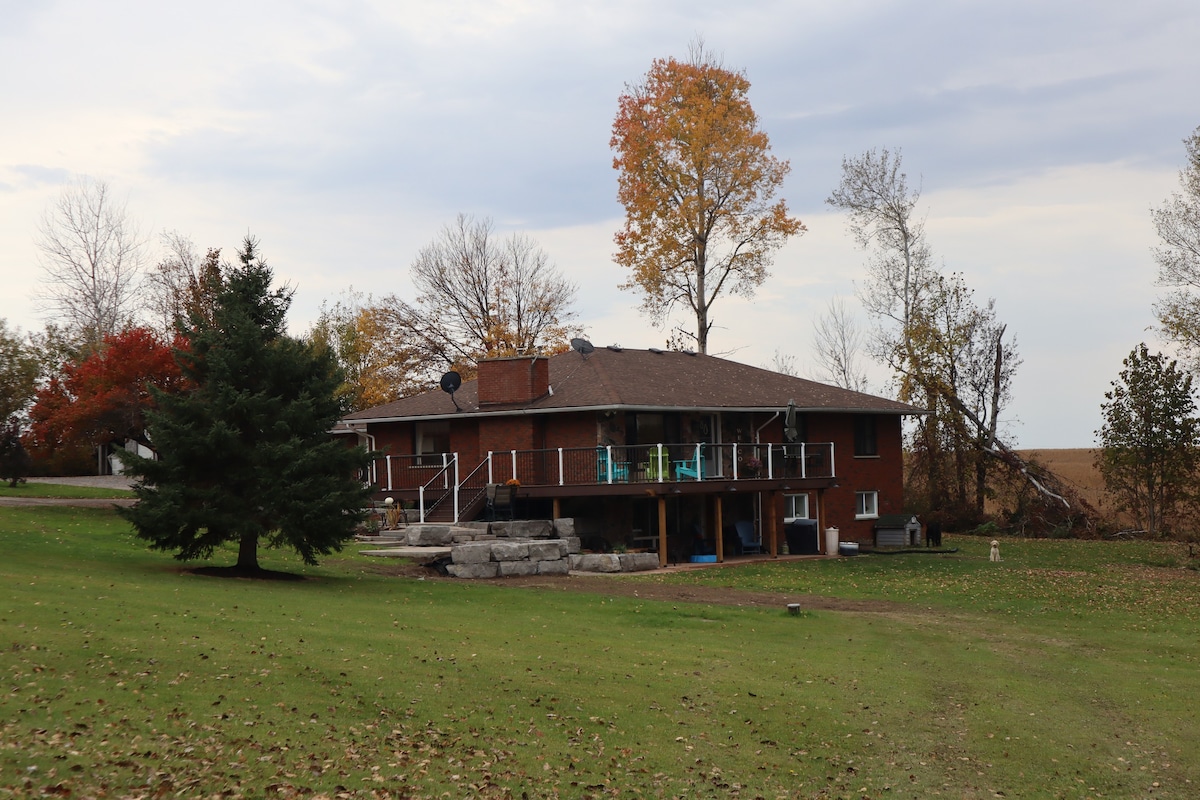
[751, 465]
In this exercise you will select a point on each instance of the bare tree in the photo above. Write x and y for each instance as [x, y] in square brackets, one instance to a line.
[92, 258]
[182, 283]
[875, 192]
[784, 364]
[838, 343]
[1177, 223]
[478, 297]
[948, 354]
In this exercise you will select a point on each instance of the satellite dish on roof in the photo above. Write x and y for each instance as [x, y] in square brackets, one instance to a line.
[582, 346]
[450, 384]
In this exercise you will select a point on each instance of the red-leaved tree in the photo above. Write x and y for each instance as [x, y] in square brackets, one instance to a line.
[103, 398]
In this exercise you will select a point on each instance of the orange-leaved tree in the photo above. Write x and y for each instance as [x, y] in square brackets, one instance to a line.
[699, 185]
[104, 398]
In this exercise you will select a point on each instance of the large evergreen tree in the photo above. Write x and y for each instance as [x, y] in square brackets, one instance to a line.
[245, 456]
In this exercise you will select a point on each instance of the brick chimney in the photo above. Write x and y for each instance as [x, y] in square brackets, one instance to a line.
[513, 380]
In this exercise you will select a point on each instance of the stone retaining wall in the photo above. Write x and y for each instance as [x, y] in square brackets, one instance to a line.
[519, 547]
[613, 562]
[501, 559]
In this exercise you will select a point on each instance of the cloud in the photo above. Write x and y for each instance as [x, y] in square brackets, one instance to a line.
[345, 135]
[38, 175]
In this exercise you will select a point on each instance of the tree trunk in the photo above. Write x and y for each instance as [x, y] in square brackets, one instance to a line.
[701, 258]
[248, 553]
[993, 423]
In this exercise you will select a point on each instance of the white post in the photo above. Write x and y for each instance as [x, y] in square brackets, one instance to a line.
[735, 461]
[456, 487]
[803, 462]
[421, 499]
[608, 462]
[389, 469]
[659, 464]
[560, 466]
[699, 466]
[770, 463]
[832, 471]
[490, 478]
[514, 465]
[445, 474]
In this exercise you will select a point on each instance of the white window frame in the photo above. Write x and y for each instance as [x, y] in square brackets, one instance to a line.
[427, 435]
[866, 504]
[790, 503]
[713, 466]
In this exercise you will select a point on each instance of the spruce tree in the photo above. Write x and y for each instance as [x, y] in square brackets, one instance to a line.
[245, 454]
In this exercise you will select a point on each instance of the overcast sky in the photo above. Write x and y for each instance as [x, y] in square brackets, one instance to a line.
[345, 134]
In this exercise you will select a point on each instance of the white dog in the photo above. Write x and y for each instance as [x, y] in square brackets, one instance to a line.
[995, 555]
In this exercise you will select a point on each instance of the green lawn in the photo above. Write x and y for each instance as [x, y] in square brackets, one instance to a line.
[1068, 670]
[64, 491]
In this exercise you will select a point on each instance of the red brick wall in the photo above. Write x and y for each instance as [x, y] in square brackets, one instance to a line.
[513, 380]
[883, 473]
[393, 438]
[464, 440]
[506, 433]
[571, 430]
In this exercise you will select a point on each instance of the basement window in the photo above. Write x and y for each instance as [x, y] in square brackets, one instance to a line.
[866, 505]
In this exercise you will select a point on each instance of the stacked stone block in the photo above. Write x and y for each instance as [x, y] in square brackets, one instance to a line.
[502, 559]
[519, 547]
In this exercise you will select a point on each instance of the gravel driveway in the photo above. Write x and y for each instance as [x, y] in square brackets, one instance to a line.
[99, 481]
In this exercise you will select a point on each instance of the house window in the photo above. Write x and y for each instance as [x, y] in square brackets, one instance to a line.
[433, 439]
[866, 443]
[866, 505]
[647, 429]
[795, 506]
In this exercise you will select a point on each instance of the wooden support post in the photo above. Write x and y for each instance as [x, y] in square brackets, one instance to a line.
[720, 529]
[662, 531]
[820, 515]
[557, 508]
[773, 523]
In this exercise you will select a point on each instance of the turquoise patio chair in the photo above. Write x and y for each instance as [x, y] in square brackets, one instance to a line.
[690, 468]
[620, 469]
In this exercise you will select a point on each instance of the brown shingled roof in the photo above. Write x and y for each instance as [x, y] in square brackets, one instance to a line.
[647, 379]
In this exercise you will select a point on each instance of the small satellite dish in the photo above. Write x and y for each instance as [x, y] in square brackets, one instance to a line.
[450, 384]
[582, 346]
[616, 348]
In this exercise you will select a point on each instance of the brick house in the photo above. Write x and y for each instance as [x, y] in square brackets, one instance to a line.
[647, 449]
